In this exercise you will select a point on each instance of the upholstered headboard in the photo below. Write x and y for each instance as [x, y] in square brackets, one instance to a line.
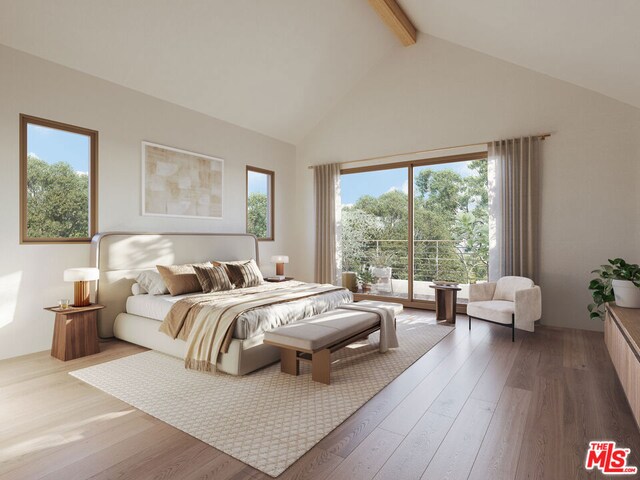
[121, 256]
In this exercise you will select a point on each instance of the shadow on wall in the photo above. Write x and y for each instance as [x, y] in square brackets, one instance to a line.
[136, 251]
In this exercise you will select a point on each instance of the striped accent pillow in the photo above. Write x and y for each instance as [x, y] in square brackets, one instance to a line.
[244, 274]
[212, 278]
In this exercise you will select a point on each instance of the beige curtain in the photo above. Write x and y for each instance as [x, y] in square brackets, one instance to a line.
[327, 201]
[514, 207]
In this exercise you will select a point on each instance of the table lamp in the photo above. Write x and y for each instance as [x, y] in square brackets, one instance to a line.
[280, 260]
[81, 277]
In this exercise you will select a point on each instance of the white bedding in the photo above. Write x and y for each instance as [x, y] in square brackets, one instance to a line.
[251, 323]
[152, 306]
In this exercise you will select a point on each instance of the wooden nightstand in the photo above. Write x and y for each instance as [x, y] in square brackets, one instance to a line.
[75, 333]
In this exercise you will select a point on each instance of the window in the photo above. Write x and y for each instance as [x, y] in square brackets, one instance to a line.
[260, 195]
[397, 246]
[58, 182]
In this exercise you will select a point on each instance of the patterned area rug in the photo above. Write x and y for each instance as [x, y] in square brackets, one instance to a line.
[266, 419]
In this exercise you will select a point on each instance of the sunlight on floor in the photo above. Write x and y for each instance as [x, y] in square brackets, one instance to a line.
[61, 435]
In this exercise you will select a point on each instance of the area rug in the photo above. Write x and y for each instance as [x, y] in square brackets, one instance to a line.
[266, 419]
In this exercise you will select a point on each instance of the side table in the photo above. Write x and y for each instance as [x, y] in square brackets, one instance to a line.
[446, 299]
[75, 332]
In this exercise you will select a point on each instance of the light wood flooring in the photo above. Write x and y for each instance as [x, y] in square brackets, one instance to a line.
[476, 406]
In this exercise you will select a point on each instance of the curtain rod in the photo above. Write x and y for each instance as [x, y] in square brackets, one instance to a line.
[541, 136]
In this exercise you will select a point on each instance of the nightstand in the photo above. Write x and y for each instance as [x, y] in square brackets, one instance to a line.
[273, 280]
[75, 333]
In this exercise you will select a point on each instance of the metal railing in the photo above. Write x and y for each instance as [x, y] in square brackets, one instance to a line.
[433, 260]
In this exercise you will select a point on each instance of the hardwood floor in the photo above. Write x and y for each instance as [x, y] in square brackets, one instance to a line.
[476, 406]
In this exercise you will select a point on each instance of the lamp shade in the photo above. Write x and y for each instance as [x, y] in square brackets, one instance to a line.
[280, 259]
[81, 274]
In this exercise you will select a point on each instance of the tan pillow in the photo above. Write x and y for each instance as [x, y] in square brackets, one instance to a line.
[181, 279]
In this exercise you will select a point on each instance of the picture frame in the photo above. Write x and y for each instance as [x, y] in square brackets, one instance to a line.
[180, 183]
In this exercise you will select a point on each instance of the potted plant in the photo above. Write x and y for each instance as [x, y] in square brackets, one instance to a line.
[366, 278]
[381, 269]
[619, 281]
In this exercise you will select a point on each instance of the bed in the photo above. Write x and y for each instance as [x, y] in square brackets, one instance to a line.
[136, 319]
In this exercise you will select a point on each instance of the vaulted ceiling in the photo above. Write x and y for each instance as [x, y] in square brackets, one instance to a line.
[278, 66]
[591, 43]
[273, 66]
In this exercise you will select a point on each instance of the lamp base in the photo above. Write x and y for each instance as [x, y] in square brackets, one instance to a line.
[81, 294]
[279, 268]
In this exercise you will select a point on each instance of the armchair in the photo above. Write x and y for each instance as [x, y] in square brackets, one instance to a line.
[514, 302]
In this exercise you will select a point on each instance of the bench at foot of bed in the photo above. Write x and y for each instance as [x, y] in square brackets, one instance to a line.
[314, 339]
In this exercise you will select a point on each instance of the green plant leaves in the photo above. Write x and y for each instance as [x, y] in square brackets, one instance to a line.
[601, 287]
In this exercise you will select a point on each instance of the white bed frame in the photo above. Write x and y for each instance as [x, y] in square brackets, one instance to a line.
[121, 256]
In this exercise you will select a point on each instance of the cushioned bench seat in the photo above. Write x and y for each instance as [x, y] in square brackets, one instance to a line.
[325, 329]
[315, 338]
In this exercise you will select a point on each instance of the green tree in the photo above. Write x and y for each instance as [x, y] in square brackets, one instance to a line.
[357, 228]
[257, 212]
[391, 215]
[441, 191]
[57, 200]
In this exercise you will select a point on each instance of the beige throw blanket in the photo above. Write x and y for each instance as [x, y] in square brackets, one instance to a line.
[206, 321]
[388, 337]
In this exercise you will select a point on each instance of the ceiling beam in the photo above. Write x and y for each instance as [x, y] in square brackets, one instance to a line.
[392, 14]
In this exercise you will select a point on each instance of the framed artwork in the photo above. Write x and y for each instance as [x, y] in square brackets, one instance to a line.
[177, 183]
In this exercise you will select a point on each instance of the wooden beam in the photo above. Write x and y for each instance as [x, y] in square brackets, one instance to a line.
[392, 14]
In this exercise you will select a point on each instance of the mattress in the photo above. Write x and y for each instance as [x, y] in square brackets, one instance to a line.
[253, 322]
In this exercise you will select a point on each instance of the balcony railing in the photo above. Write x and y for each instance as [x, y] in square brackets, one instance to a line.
[433, 260]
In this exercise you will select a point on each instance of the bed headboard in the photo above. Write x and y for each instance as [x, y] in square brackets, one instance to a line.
[121, 256]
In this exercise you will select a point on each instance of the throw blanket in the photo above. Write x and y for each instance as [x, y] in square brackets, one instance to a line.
[388, 337]
[206, 321]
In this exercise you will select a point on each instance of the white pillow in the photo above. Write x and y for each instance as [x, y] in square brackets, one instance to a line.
[152, 282]
[137, 289]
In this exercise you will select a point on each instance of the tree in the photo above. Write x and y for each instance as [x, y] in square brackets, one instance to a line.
[441, 191]
[257, 212]
[57, 200]
[357, 227]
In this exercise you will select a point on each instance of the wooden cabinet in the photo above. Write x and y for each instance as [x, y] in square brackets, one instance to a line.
[622, 336]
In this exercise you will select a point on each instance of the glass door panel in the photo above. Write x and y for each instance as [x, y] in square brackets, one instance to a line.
[450, 226]
[374, 231]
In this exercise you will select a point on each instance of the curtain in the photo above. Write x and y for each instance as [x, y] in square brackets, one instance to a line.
[513, 225]
[327, 204]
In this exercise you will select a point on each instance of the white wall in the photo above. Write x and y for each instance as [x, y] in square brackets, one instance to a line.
[437, 94]
[31, 275]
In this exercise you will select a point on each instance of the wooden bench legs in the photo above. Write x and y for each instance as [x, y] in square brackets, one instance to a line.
[289, 361]
[320, 364]
[320, 360]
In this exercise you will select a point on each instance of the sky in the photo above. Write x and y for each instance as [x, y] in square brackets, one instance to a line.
[257, 182]
[55, 146]
[353, 186]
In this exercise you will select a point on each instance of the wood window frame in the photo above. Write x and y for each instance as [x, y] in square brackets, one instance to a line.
[271, 196]
[410, 301]
[26, 120]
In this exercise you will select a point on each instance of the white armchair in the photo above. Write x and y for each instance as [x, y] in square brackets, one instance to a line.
[515, 302]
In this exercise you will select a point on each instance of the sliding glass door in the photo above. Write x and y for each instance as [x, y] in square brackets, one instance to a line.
[375, 230]
[450, 226]
[446, 220]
